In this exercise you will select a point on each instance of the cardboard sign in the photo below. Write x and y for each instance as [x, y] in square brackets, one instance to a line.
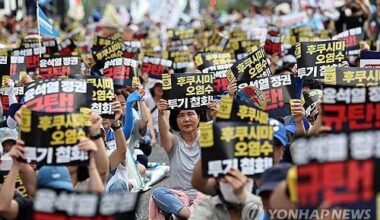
[277, 90]
[231, 110]
[49, 204]
[352, 38]
[178, 37]
[242, 48]
[219, 64]
[348, 109]
[58, 95]
[32, 57]
[103, 95]
[249, 68]
[188, 90]
[52, 138]
[239, 145]
[180, 58]
[101, 42]
[121, 70]
[55, 67]
[345, 174]
[109, 52]
[313, 57]
[51, 46]
[12, 67]
[352, 76]
[155, 67]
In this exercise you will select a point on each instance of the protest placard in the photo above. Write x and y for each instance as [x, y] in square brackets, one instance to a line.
[155, 67]
[188, 90]
[123, 71]
[352, 76]
[61, 66]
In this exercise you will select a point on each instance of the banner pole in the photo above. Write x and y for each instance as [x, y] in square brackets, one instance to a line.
[38, 26]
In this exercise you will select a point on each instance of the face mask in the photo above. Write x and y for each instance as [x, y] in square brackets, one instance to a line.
[228, 192]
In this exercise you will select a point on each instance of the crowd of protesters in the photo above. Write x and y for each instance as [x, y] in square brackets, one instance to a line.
[142, 120]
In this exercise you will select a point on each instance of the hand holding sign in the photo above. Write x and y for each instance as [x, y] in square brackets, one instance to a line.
[117, 109]
[238, 182]
[96, 122]
[162, 105]
[232, 88]
[86, 144]
[17, 153]
[297, 110]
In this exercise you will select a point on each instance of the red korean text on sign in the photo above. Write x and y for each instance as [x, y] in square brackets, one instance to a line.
[338, 182]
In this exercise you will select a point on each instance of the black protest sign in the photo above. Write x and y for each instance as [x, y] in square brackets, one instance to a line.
[101, 42]
[239, 145]
[58, 95]
[103, 96]
[12, 67]
[49, 204]
[122, 70]
[30, 43]
[155, 67]
[242, 48]
[219, 64]
[32, 57]
[352, 37]
[67, 47]
[188, 90]
[345, 174]
[178, 37]
[52, 138]
[352, 76]
[250, 67]
[51, 46]
[231, 110]
[180, 58]
[4, 98]
[108, 52]
[55, 67]
[277, 90]
[347, 108]
[313, 57]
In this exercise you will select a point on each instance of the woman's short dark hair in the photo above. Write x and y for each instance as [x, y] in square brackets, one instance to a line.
[174, 114]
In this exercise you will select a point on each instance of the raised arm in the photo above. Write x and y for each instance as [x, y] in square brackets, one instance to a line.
[100, 155]
[166, 137]
[117, 156]
[128, 117]
[9, 208]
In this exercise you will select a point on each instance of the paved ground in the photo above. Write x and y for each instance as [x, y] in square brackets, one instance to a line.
[158, 154]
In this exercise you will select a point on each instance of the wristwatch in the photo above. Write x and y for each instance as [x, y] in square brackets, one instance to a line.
[117, 127]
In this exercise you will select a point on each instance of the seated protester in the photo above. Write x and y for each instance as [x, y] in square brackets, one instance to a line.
[269, 180]
[118, 179]
[8, 138]
[80, 174]
[14, 206]
[182, 147]
[133, 125]
[155, 94]
[234, 200]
